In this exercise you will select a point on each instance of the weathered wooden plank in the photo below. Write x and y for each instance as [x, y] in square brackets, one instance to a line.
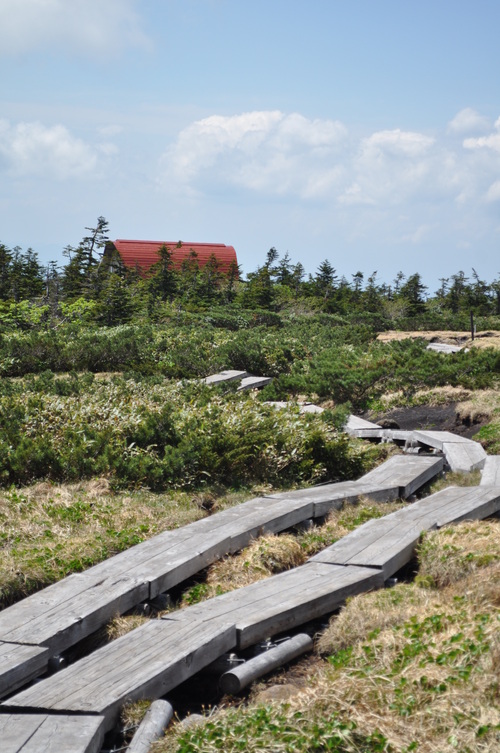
[64, 613]
[19, 665]
[369, 433]
[145, 663]
[67, 611]
[283, 601]
[437, 439]
[464, 458]
[330, 497]
[311, 408]
[491, 471]
[354, 423]
[214, 537]
[444, 348]
[389, 542]
[386, 543]
[477, 503]
[43, 733]
[399, 435]
[408, 473]
[253, 382]
[230, 375]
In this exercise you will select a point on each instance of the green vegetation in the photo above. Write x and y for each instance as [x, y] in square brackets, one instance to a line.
[412, 668]
[108, 435]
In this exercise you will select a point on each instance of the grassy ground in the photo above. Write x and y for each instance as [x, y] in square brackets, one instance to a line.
[413, 668]
[50, 530]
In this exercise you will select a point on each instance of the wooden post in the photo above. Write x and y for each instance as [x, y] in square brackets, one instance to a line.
[152, 726]
[472, 325]
[238, 678]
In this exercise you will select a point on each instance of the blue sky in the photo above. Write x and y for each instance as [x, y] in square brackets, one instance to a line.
[366, 132]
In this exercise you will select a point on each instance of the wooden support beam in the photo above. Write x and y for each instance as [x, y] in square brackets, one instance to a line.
[236, 679]
[152, 726]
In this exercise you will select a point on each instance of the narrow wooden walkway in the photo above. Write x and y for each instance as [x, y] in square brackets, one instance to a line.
[462, 455]
[151, 660]
[68, 611]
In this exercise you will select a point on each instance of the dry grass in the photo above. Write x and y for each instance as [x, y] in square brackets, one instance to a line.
[430, 676]
[454, 478]
[480, 406]
[50, 530]
[418, 665]
[433, 397]
[452, 553]
[486, 339]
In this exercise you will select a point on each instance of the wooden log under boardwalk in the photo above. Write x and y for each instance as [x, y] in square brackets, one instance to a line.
[237, 678]
[145, 663]
[152, 726]
[47, 733]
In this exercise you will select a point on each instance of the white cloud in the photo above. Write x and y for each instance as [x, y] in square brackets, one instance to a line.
[288, 156]
[397, 143]
[468, 120]
[493, 193]
[91, 27]
[264, 151]
[48, 151]
[492, 141]
[389, 166]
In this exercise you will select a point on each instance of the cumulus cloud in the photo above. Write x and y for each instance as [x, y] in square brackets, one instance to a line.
[264, 151]
[493, 193]
[388, 166]
[91, 27]
[288, 156]
[492, 141]
[48, 151]
[468, 120]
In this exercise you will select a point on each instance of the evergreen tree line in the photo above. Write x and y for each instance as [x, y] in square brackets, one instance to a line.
[95, 286]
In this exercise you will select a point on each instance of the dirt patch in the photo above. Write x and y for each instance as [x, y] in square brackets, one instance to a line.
[434, 417]
[486, 339]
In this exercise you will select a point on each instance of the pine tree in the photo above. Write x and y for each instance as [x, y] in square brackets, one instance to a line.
[325, 280]
[5, 272]
[164, 281]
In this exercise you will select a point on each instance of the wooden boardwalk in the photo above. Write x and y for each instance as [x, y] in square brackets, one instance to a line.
[491, 471]
[462, 455]
[50, 733]
[86, 697]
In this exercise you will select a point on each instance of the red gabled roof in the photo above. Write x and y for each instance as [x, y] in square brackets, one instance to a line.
[143, 254]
